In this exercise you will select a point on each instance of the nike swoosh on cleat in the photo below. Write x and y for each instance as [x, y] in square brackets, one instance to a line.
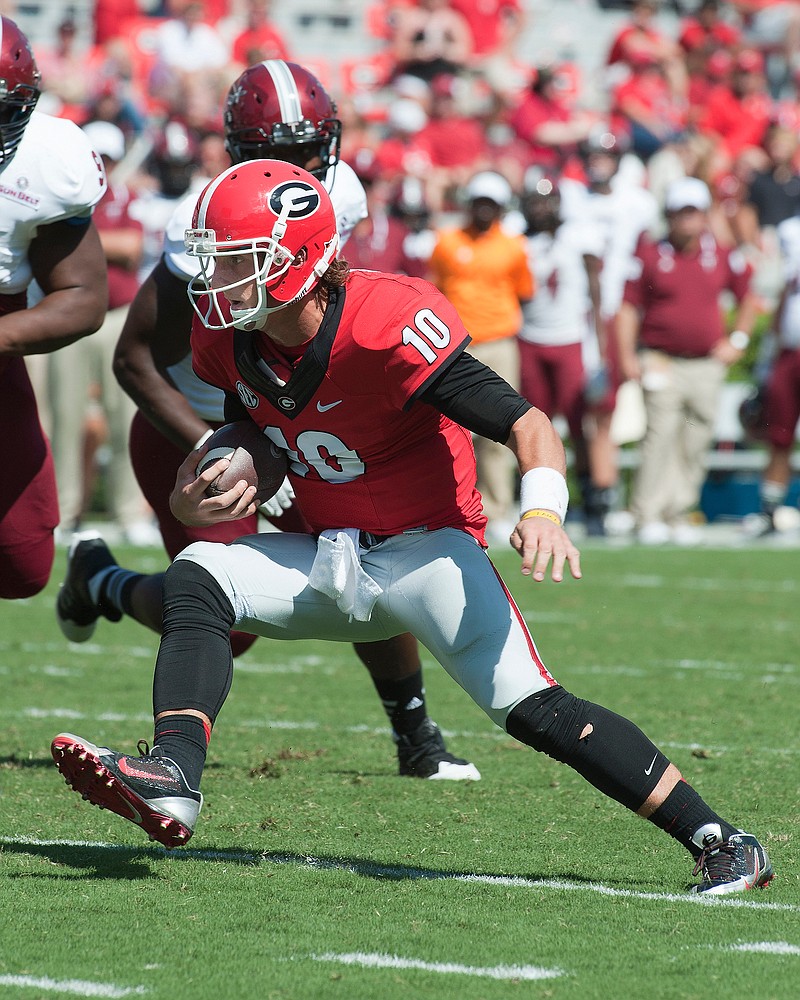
[132, 772]
[137, 816]
[649, 770]
[324, 407]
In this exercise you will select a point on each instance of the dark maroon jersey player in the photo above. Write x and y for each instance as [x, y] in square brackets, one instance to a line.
[49, 181]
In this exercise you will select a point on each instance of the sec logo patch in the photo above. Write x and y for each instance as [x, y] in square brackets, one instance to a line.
[247, 396]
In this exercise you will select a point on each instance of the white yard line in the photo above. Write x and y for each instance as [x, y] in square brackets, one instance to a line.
[71, 715]
[379, 961]
[375, 869]
[654, 581]
[77, 987]
[767, 948]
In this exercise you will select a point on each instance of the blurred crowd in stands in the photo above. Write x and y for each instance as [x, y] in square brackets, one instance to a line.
[447, 94]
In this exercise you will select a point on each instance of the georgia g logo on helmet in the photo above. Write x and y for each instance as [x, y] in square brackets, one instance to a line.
[299, 197]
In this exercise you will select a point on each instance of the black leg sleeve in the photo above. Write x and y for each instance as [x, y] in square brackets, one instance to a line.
[609, 751]
[194, 667]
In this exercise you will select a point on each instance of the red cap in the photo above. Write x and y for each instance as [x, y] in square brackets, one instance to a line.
[750, 61]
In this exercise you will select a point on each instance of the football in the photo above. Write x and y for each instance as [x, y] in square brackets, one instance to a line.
[253, 457]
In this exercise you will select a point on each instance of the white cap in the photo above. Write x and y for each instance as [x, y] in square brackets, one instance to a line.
[687, 192]
[489, 185]
[407, 116]
[106, 139]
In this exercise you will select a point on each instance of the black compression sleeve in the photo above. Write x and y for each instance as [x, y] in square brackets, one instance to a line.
[476, 397]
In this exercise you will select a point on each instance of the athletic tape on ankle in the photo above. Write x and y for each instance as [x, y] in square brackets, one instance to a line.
[544, 488]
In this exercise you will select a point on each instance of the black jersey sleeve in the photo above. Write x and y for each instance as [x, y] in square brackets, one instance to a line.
[476, 397]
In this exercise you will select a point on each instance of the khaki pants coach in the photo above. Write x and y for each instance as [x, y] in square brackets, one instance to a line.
[70, 373]
[495, 461]
[681, 398]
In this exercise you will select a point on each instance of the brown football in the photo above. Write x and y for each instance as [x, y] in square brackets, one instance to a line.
[253, 457]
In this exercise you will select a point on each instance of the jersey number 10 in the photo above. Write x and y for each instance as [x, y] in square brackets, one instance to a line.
[430, 333]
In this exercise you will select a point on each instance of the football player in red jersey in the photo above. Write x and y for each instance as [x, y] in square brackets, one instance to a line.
[49, 182]
[278, 109]
[363, 379]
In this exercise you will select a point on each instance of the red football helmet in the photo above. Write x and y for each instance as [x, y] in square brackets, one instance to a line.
[541, 200]
[753, 414]
[174, 158]
[19, 87]
[278, 109]
[278, 214]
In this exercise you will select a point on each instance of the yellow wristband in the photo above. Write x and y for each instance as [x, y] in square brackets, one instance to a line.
[538, 512]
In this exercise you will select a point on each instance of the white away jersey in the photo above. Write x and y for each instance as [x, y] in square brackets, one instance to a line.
[789, 323]
[54, 175]
[558, 313]
[622, 216]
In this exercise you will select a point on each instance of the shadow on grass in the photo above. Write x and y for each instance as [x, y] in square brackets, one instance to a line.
[13, 763]
[121, 861]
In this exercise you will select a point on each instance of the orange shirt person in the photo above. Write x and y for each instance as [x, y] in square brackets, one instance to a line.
[484, 272]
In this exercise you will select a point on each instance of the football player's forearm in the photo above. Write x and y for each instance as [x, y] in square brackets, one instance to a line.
[59, 319]
[535, 443]
[161, 403]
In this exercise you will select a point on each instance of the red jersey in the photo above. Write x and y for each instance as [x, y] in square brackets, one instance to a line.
[678, 294]
[112, 213]
[486, 21]
[363, 452]
[533, 111]
[452, 142]
[693, 36]
[738, 122]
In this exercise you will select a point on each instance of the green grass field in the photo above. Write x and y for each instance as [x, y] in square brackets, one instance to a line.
[316, 872]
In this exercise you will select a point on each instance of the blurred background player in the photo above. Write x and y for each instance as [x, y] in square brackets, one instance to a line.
[484, 272]
[85, 367]
[51, 179]
[280, 110]
[781, 395]
[563, 257]
[612, 200]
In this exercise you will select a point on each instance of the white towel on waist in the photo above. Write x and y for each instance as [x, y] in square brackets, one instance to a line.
[337, 572]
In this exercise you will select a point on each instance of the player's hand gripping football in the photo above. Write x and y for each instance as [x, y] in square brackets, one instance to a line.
[540, 541]
[191, 505]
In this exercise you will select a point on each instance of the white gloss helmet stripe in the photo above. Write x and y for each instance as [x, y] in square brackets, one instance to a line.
[265, 251]
[286, 89]
[205, 197]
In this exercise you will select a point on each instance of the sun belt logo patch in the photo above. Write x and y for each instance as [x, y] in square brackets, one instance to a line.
[301, 197]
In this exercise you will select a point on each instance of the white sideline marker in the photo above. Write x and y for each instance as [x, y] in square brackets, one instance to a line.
[373, 869]
[495, 735]
[79, 987]
[378, 961]
[767, 948]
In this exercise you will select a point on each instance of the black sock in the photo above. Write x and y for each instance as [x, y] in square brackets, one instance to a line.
[683, 814]
[183, 739]
[404, 702]
[112, 591]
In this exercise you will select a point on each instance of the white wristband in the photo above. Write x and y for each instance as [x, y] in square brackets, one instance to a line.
[546, 488]
[202, 440]
[740, 340]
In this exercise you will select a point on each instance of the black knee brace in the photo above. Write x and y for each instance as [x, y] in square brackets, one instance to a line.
[194, 668]
[607, 749]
